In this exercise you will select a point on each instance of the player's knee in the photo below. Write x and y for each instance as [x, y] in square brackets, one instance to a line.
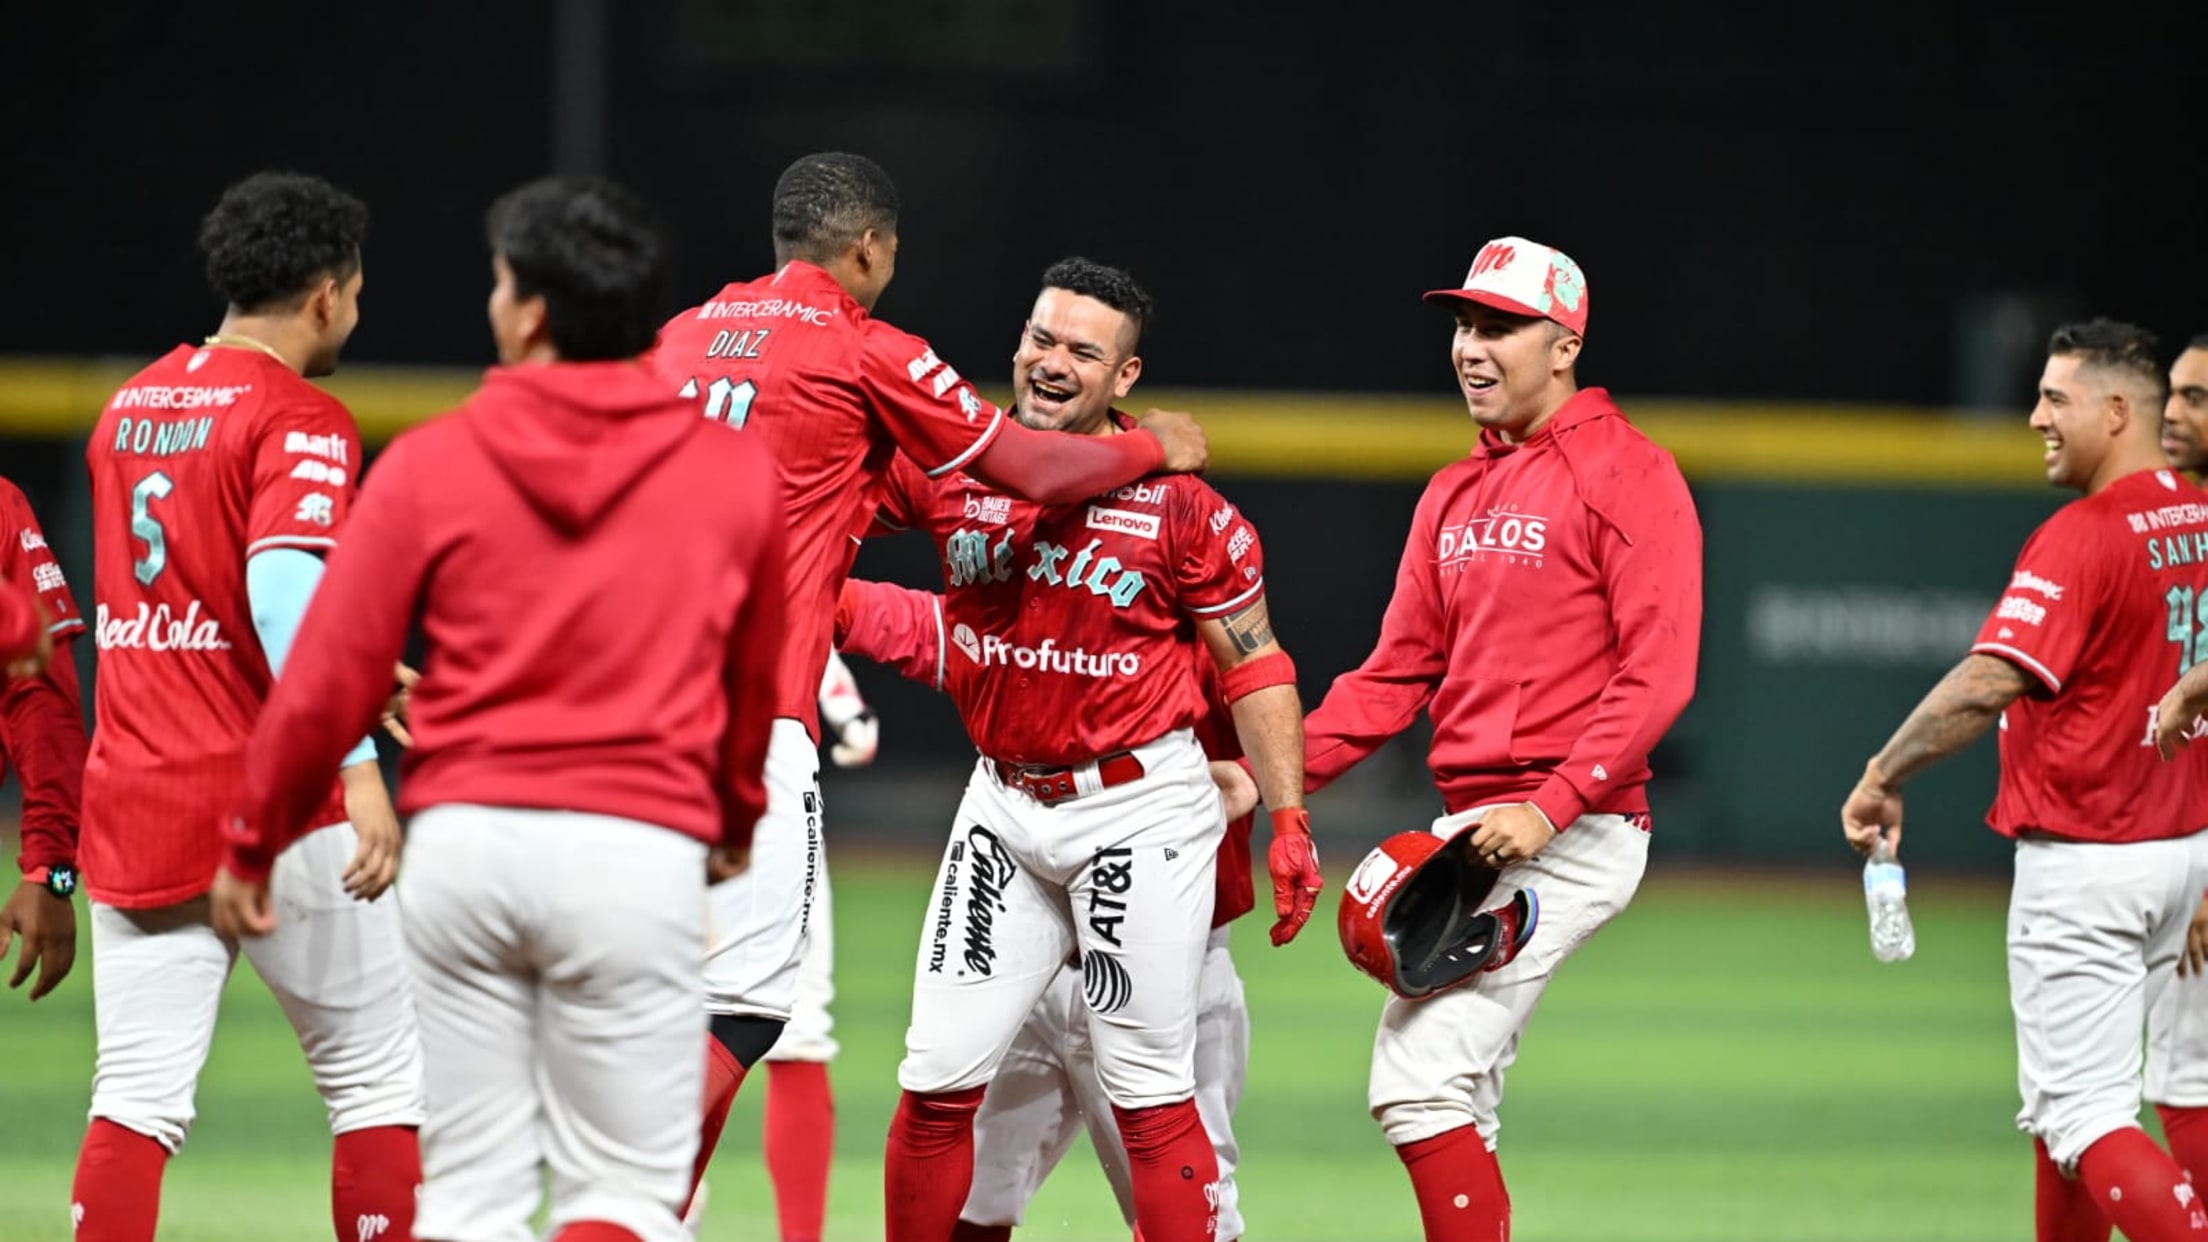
[1411, 1121]
[167, 1126]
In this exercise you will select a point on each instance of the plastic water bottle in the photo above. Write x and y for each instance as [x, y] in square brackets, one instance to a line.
[1886, 892]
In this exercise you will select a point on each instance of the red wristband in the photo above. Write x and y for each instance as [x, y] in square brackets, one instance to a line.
[1250, 676]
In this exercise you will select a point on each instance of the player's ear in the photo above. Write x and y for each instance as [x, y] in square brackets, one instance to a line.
[1129, 372]
[1564, 351]
[322, 303]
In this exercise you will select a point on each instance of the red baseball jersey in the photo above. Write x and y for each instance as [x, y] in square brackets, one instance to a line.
[42, 718]
[835, 393]
[201, 460]
[2107, 608]
[25, 559]
[904, 629]
[1071, 626]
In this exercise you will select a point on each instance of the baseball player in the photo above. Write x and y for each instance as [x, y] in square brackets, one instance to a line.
[42, 735]
[1047, 1087]
[597, 577]
[219, 479]
[798, 1120]
[2177, 1027]
[2111, 859]
[798, 358]
[1091, 823]
[1547, 614]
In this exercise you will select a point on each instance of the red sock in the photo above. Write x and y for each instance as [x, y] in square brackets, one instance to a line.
[968, 1231]
[2141, 1189]
[374, 1174]
[723, 1074]
[593, 1231]
[2062, 1208]
[1174, 1170]
[117, 1195]
[800, 1142]
[930, 1164]
[1460, 1190]
[2187, 1132]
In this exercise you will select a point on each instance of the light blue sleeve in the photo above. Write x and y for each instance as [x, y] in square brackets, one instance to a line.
[278, 584]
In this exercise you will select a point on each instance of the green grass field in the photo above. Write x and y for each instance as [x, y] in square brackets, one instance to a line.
[1726, 1063]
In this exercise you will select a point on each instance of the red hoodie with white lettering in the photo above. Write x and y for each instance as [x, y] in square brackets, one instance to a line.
[598, 576]
[1549, 609]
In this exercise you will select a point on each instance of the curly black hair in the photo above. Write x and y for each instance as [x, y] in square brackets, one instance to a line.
[1110, 285]
[826, 201]
[2125, 348]
[276, 235]
[594, 252]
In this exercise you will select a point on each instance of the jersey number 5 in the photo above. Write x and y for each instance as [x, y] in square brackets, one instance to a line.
[726, 401]
[147, 528]
[2188, 626]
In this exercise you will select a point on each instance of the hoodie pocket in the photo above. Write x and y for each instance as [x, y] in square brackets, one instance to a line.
[1475, 720]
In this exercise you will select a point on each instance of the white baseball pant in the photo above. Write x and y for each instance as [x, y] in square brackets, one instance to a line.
[758, 920]
[2177, 1044]
[2094, 935]
[809, 1035]
[557, 959]
[335, 965]
[1438, 1063]
[1124, 874]
[1047, 1088]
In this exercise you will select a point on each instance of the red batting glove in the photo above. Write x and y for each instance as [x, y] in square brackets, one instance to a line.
[1294, 862]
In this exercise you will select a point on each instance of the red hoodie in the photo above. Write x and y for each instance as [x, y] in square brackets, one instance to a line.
[1549, 607]
[598, 576]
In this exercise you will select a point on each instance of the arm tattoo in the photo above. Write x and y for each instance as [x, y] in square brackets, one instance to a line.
[1250, 628]
[1956, 713]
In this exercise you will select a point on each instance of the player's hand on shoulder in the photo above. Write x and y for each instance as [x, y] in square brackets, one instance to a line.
[1872, 812]
[1186, 450]
[47, 926]
[240, 908]
[376, 825]
[1237, 788]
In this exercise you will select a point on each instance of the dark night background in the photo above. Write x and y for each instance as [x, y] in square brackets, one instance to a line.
[1788, 202]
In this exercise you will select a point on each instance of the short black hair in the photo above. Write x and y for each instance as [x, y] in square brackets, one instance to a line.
[826, 201]
[593, 251]
[2125, 348]
[2198, 342]
[1107, 284]
[275, 235]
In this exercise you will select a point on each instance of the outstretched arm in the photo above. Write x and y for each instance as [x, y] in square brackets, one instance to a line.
[1956, 713]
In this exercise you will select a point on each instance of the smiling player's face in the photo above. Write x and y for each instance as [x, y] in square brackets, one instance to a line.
[1075, 358]
[1505, 365]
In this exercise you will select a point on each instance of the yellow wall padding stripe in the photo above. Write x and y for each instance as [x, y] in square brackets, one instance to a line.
[1333, 435]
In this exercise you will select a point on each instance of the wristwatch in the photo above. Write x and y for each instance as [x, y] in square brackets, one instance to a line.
[60, 879]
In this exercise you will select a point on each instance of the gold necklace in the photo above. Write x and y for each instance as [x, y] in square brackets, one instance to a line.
[238, 340]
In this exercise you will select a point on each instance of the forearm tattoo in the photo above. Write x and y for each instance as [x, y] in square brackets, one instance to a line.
[1956, 713]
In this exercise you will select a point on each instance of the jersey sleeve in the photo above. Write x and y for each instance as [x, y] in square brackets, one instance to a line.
[1218, 565]
[26, 560]
[303, 482]
[2043, 620]
[935, 416]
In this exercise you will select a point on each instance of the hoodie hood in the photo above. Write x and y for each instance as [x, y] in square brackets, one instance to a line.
[575, 437]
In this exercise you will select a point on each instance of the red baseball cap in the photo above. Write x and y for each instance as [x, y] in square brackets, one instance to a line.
[1524, 278]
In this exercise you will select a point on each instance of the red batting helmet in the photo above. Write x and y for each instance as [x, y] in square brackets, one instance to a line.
[1411, 915]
